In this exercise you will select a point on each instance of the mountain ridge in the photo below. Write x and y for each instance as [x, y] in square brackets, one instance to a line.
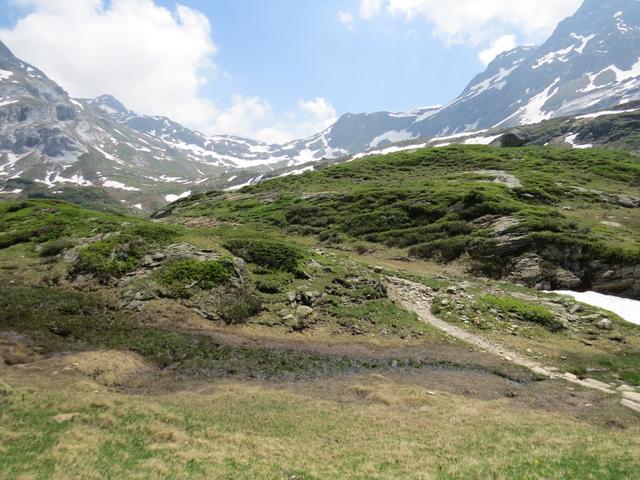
[589, 63]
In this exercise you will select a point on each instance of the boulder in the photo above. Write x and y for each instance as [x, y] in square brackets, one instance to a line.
[304, 311]
[511, 140]
[605, 324]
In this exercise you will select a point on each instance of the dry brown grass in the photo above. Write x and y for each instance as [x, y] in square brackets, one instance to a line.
[361, 427]
[109, 368]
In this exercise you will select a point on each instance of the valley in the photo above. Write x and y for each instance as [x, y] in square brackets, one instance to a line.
[250, 315]
[447, 292]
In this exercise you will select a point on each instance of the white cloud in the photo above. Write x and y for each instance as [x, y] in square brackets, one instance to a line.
[476, 22]
[155, 60]
[311, 116]
[370, 8]
[347, 19]
[503, 44]
[255, 118]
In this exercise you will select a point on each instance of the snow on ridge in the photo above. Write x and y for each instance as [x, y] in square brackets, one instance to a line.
[571, 140]
[605, 112]
[532, 111]
[118, 186]
[497, 81]
[562, 55]
[482, 140]
[393, 136]
[77, 103]
[299, 171]
[388, 150]
[172, 198]
[457, 135]
[245, 184]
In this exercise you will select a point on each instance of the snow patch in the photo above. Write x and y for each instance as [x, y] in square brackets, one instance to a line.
[172, 198]
[393, 136]
[563, 54]
[623, 307]
[77, 104]
[299, 171]
[119, 186]
[606, 112]
[571, 140]
[481, 140]
[5, 74]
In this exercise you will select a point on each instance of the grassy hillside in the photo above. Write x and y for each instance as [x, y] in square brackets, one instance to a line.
[256, 335]
[573, 208]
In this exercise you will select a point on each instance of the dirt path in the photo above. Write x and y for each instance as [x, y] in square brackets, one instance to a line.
[417, 298]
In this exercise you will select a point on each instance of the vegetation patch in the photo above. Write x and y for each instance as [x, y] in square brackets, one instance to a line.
[524, 310]
[180, 276]
[239, 305]
[122, 252]
[271, 254]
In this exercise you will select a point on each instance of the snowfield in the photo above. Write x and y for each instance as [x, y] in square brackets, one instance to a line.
[625, 308]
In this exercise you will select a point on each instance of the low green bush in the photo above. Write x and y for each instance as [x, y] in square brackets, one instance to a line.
[111, 257]
[54, 247]
[182, 275]
[525, 310]
[446, 249]
[122, 252]
[271, 254]
[273, 282]
[239, 305]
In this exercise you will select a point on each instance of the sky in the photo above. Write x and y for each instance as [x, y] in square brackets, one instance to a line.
[272, 70]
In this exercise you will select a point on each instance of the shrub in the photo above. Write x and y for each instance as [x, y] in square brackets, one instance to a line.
[525, 310]
[181, 275]
[446, 249]
[272, 254]
[111, 257]
[273, 282]
[54, 247]
[239, 306]
[122, 252]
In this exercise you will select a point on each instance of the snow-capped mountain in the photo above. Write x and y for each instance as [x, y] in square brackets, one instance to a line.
[590, 63]
[351, 133]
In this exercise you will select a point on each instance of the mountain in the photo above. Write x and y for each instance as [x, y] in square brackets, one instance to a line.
[589, 64]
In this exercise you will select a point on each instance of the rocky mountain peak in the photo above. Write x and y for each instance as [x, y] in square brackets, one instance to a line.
[111, 106]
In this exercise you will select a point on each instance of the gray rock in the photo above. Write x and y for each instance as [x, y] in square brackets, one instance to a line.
[303, 312]
[605, 324]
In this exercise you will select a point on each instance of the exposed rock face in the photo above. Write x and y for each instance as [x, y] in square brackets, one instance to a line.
[568, 269]
[532, 270]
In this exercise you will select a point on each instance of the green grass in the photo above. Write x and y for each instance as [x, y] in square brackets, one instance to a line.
[432, 202]
[270, 254]
[524, 310]
[180, 276]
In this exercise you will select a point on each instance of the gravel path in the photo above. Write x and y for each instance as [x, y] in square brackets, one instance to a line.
[416, 298]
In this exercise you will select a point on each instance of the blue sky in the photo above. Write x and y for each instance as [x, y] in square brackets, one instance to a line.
[270, 69]
[284, 50]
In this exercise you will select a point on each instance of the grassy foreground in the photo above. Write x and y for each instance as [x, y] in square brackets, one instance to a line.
[369, 427]
[252, 335]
